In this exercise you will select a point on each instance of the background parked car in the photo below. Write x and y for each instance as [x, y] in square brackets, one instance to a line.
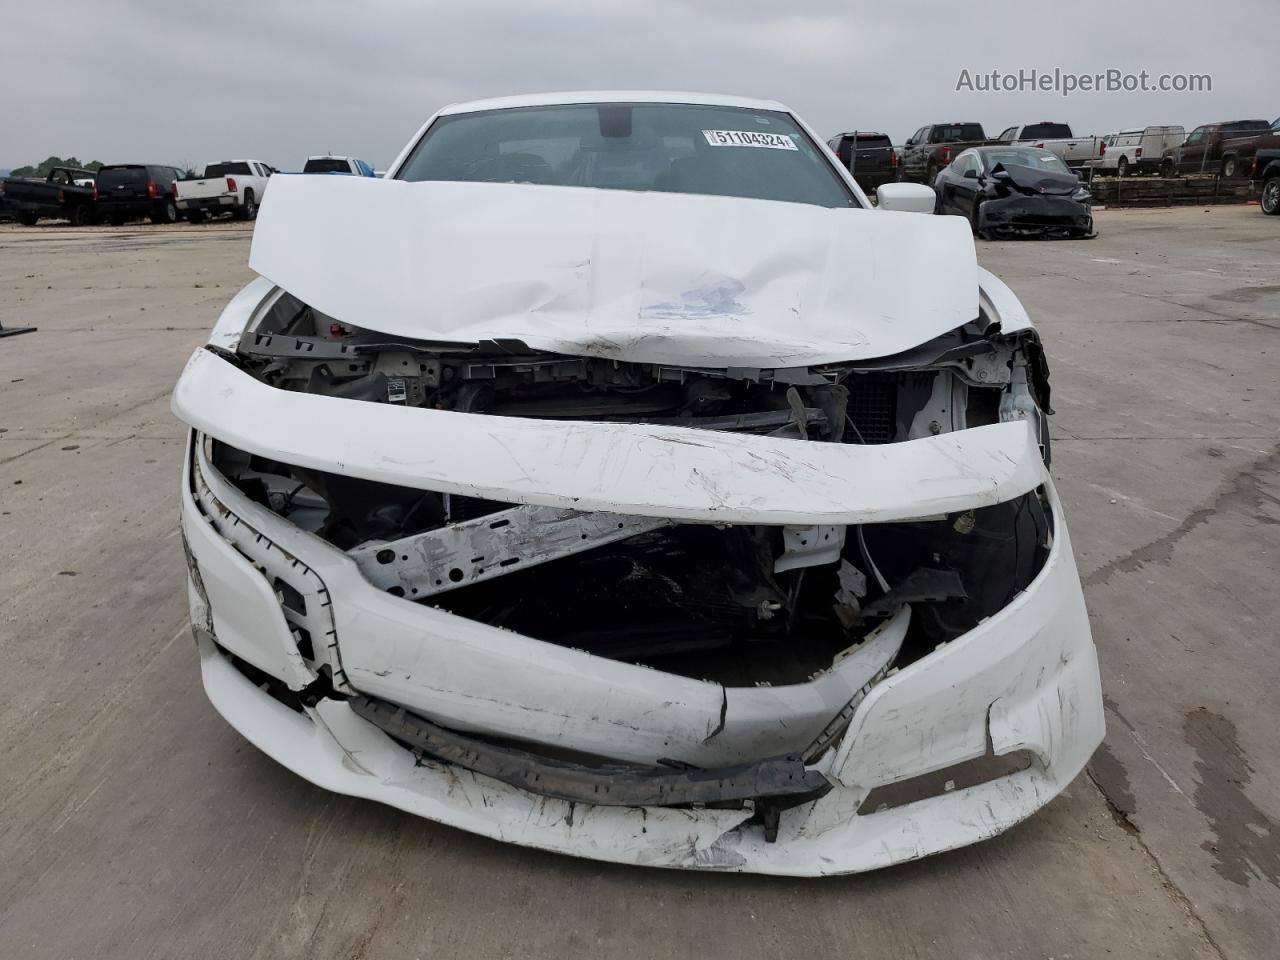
[1266, 170]
[230, 186]
[59, 196]
[127, 191]
[349, 166]
[870, 157]
[1223, 148]
[1137, 150]
[1057, 138]
[932, 147]
[1015, 191]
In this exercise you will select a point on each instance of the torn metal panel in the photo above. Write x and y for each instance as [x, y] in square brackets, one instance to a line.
[778, 779]
[475, 550]
[809, 546]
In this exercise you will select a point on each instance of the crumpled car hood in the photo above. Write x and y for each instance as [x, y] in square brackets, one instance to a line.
[644, 277]
[1031, 180]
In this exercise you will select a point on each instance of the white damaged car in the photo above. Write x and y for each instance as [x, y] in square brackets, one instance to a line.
[613, 478]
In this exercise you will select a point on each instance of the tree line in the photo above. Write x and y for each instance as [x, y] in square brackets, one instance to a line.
[44, 166]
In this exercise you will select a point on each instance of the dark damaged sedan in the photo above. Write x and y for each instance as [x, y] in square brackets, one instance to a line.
[1008, 191]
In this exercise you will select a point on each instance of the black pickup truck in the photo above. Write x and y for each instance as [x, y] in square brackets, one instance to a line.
[870, 157]
[56, 197]
[932, 147]
[1266, 173]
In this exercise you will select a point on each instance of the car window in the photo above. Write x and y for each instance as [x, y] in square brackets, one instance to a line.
[1197, 135]
[1009, 134]
[1046, 131]
[60, 176]
[226, 169]
[109, 177]
[956, 132]
[663, 147]
[326, 165]
[1245, 126]
[872, 141]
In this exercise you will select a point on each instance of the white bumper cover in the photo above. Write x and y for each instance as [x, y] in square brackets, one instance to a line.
[1026, 679]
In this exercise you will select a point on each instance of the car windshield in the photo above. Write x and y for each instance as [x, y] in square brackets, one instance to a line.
[669, 148]
[223, 169]
[1039, 159]
[326, 165]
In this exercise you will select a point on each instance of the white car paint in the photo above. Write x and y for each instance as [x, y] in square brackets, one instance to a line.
[651, 277]
[1024, 679]
[624, 468]
[906, 197]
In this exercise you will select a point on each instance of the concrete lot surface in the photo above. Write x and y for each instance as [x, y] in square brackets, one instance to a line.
[134, 823]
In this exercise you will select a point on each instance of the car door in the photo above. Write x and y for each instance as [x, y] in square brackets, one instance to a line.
[914, 148]
[1191, 156]
[949, 183]
[966, 173]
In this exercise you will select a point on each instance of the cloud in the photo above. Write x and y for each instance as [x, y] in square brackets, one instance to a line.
[134, 80]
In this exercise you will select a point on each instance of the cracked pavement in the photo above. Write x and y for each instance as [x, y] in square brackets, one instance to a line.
[135, 823]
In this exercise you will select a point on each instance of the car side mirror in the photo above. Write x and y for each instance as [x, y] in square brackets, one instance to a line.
[906, 197]
[971, 174]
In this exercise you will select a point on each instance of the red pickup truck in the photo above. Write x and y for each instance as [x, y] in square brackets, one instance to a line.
[1224, 148]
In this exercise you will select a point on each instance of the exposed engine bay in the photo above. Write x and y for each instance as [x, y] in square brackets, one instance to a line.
[738, 604]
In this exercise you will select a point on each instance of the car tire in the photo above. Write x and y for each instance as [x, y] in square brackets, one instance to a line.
[27, 219]
[1122, 168]
[166, 214]
[1167, 168]
[195, 216]
[1269, 201]
[249, 209]
[1229, 168]
[79, 216]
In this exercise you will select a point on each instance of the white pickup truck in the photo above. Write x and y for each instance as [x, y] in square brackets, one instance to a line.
[230, 186]
[1076, 152]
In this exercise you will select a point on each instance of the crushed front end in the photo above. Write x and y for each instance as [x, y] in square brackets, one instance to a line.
[805, 620]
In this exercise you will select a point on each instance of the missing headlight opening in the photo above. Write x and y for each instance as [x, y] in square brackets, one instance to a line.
[738, 603]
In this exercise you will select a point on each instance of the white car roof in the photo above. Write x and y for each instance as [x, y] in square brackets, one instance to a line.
[611, 96]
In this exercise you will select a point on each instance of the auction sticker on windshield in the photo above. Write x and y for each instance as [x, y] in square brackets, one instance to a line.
[749, 138]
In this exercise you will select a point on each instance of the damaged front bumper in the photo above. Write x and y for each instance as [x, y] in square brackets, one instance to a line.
[548, 746]
[1035, 216]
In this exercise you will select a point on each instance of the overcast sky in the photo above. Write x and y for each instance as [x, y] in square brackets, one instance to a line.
[172, 82]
